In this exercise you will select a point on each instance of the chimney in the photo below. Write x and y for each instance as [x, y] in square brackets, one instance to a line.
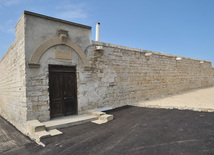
[98, 32]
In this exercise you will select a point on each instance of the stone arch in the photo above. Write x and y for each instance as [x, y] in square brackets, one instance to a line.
[34, 62]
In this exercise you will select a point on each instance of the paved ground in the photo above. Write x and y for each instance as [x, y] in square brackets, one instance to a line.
[199, 99]
[11, 138]
[134, 130]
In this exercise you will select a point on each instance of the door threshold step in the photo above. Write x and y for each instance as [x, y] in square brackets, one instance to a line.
[69, 121]
[54, 132]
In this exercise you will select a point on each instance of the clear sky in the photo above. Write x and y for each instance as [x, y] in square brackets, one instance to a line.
[179, 27]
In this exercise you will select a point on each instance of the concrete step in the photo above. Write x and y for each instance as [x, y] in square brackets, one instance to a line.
[41, 134]
[99, 121]
[69, 121]
[96, 113]
[34, 126]
[106, 117]
[36, 131]
[103, 119]
[54, 132]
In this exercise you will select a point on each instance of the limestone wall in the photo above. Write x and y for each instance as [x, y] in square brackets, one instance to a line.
[118, 75]
[12, 80]
[213, 72]
[122, 75]
[38, 82]
[39, 29]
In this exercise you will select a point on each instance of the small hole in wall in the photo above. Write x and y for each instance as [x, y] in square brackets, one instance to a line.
[147, 58]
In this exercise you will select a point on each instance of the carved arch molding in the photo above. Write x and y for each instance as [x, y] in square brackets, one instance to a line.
[61, 40]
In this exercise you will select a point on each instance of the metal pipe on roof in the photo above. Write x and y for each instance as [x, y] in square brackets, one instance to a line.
[98, 32]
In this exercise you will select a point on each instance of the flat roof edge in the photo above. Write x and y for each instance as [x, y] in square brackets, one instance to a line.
[56, 19]
[98, 43]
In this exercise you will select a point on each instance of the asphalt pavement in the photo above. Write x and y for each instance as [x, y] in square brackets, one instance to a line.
[134, 130]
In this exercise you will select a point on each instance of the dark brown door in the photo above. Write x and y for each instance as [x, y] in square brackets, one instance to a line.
[63, 90]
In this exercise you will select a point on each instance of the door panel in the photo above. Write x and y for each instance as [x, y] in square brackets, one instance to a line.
[57, 85]
[57, 108]
[70, 93]
[56, 95]
[70, 106]
[63, 91]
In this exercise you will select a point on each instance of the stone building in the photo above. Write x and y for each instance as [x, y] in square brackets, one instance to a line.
[54, 69]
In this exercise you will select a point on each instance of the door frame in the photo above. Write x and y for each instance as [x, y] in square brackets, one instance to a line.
[52, 68]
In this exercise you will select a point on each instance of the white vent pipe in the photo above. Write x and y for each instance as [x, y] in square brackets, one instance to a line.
[98, 32]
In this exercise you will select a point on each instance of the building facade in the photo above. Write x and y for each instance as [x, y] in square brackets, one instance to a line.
[54, 69]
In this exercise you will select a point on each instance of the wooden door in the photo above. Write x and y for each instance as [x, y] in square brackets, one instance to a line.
[69, 93]
[63, 90]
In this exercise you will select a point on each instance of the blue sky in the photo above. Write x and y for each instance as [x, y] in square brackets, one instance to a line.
[179, 27]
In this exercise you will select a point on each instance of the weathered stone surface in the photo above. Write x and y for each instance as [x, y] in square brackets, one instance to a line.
[125, 76]
[64, 55]
[13, 106]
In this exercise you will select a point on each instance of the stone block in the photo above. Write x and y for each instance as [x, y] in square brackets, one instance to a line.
[34, 126]
[96, 113]
[54, 132]
[40, 134]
